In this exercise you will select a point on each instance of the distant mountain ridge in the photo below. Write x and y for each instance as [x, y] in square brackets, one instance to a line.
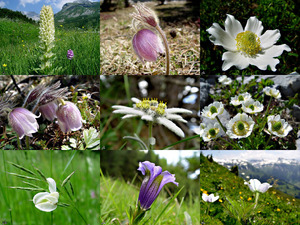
[81, 13]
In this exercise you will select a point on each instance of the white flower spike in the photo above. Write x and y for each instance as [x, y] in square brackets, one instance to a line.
[247, 46]
[46, 201]
[278, 126]
[153, 111]
[256, 186]
[209, 198]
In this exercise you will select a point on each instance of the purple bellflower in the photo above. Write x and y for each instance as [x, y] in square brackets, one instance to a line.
[147, 45]
[48, 110]
[23, 122]
[153, 182]
[68, 117]
[70, 54]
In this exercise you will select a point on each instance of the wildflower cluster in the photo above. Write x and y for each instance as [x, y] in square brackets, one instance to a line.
[48, 100]
[247, 125]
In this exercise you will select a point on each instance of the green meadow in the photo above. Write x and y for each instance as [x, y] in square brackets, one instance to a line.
[274, 206]
[16, 206]
[20, 52]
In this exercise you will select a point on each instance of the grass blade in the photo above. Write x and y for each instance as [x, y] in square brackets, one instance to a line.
[22, 168]
[24, 177]
[67, 179]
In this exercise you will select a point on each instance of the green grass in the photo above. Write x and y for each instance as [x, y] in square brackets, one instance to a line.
[218, 180]
[53, 164]
[117, 196]
[20, 49]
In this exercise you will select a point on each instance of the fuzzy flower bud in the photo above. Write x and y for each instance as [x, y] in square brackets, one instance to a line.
[23, 122]
[47, 31]
[147, 45]
[145, 14]
[68, 117]
[70, 54]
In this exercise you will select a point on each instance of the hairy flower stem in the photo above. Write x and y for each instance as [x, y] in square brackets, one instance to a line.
[266, 113]
[150, 135]
[256, 199]
[163, 36]
[19, 143]
[27, 142]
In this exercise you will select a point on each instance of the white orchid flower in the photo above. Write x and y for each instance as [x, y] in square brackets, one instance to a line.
[46, 201]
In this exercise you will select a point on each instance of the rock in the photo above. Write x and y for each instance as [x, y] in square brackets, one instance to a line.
[204, 90]
[298, 141]
[296, 112]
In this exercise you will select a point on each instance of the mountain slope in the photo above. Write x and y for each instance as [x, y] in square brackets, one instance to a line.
[79, 14]
[272, 205]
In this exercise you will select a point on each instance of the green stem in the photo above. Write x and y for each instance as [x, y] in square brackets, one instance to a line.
[256, 199]
[231, 144]
[162, 34]
[6, 184]
[126, 85]
[208, 208]
[27, 142]
[51, 218]
[19, 143]
[150, 135]
[266, 113]
[224, 129]
[268, 141]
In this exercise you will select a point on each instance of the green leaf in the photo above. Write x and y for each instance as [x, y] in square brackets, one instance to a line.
[91, 138]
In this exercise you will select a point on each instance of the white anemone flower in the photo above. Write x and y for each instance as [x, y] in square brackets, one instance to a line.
[256, 186]
[212, 131]
[213, 110]
[240, 99]
[247, 46]
[240, 126]
[225, 80]
[202, 128]
[272, 92]
[250, 106]
[278, 126]
[46, 201]
[151, 110]
[209, 198]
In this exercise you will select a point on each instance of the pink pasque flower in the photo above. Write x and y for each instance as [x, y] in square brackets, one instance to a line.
[147, 45]
[48, 110]
[23, 122]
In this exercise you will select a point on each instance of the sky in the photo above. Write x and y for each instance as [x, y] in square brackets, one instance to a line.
[249, 155]
[34, 5]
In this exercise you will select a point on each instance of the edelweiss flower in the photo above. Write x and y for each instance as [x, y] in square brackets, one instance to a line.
[247, 46]
[213, 110]
[240, 126]
[212, 131]
[278, 126]
[239, 99]
[251, 106]
[225, 80]
[151, 110]
[209, 198]
[255, 185]
[272, 92]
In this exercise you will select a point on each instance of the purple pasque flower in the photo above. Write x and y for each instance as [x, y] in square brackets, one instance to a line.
[153, 182]
[68, 117]
[70, 54]
[23, 122]
[147, 45]
[48, 110]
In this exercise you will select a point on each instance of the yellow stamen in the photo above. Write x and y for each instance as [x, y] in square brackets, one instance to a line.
[248, 42]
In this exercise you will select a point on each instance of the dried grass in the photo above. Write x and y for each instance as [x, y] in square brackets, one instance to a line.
[118, 58]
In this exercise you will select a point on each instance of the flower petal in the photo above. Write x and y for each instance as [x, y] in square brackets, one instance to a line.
[177, 110]
[234, 59]
[39, 196]
[170, 125]
[269, 38]
[52, 185]
[221, 37]
[254, 25]
[233, 26]
[46, 206]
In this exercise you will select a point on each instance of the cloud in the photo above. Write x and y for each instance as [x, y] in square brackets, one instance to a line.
[24, 2]
[2, 4]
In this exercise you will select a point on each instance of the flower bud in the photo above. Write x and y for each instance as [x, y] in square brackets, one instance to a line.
[70, 54]
[147, 45]
[68, 117]
[48, 110]
[23, 122]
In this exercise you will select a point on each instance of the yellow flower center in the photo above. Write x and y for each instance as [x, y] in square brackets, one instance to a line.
[248, 42]
[251, 107]
[240, 128]
[153, 105]
[241, 98]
